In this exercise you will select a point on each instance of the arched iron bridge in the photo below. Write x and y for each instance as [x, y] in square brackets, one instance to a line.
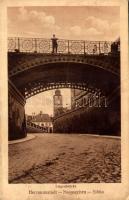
[28, 53]
[36, 88]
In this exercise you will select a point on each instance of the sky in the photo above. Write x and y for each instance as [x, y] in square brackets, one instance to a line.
[44, 102]
[66, 22]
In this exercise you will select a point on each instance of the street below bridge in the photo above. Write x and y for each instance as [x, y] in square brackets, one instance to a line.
[65, 158]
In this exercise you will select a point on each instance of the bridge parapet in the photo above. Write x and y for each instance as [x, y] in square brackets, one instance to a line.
[41, 45]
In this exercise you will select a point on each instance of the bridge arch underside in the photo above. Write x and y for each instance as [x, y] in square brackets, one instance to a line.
[65, 75]
[39, 78]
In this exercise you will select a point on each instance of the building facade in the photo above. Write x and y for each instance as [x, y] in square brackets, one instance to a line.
[42, 120]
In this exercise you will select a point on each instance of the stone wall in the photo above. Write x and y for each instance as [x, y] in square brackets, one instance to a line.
[95, 120]
[16, 113]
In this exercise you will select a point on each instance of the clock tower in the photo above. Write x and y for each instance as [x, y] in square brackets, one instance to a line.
[57, 102]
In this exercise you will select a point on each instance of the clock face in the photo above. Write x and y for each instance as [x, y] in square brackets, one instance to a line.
[57, 100]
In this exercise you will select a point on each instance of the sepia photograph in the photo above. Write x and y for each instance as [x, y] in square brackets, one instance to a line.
[64, 94]
[64, 100]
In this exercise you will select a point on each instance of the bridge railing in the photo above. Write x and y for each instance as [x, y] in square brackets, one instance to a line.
[40, 45]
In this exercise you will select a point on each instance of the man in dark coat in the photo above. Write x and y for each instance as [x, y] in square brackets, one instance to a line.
[54, 44]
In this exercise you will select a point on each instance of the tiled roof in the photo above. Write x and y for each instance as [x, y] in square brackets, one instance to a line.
[41, 118]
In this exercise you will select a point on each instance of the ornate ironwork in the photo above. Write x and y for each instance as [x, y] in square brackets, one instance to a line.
[43, 46]
[27, 45]
[38, 87]
[39, 45]
[77, 47]
[62, 46]
[11, 44]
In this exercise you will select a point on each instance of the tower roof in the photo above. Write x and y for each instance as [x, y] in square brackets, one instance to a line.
[58, 92]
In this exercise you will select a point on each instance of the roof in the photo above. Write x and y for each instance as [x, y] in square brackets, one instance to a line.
[58, 92]
[41, 118]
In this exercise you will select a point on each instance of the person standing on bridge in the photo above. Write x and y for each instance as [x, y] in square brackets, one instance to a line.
[54, 44]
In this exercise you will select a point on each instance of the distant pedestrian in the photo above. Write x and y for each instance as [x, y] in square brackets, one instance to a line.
[54, 44]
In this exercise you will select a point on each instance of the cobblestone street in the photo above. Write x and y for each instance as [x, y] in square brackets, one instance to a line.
[65, 158]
